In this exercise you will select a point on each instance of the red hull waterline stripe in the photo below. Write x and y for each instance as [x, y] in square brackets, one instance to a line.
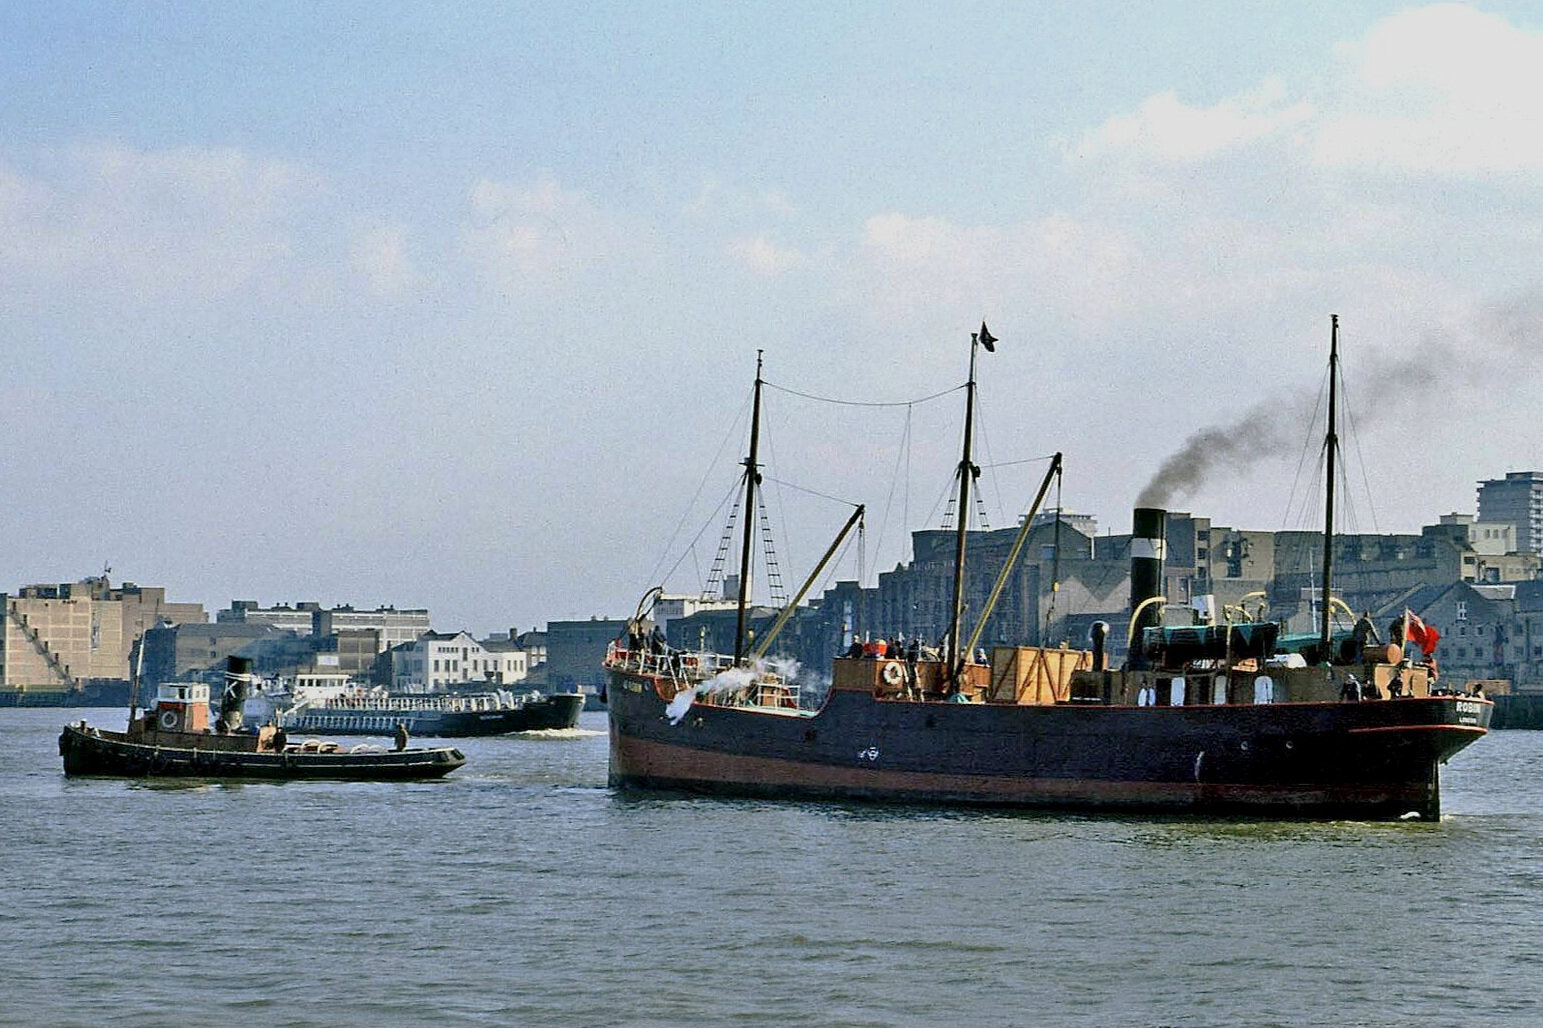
[1471, 729]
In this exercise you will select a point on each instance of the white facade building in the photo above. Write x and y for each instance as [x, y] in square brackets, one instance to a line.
[439, 661]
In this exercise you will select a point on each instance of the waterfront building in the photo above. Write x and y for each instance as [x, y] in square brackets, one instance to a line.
[1489, 632]
[178, 653]
[533, 643]
[575, 650]
[391, 626]
[509, 663]
[63, 640]
[1516, 499]
[672, 606]
[299, 619]
[442, 661]
[350, 651]
[712, 629]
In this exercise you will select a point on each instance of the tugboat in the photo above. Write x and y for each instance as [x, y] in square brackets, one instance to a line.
[174, 739]
[1211, 720]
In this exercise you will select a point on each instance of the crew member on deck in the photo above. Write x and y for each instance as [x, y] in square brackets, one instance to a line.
[401, 735]
[1365, 632]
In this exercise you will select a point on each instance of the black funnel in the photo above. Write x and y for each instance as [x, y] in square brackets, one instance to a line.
[238, 671]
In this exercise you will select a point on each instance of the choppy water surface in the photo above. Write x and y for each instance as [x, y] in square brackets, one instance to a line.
[521, 891]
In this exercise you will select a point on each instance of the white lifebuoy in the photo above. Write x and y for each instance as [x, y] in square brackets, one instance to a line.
[169, 720]
[893, 673]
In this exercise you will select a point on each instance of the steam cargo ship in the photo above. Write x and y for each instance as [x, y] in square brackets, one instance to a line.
[1211, 719]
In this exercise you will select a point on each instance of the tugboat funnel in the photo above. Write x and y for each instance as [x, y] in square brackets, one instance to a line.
[1148, 549]
[238, 671]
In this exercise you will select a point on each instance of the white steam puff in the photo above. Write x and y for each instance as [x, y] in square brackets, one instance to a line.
[732, 680]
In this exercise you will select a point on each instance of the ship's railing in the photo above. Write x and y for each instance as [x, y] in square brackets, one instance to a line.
[400, 704]
[338, 721]
[682, 669]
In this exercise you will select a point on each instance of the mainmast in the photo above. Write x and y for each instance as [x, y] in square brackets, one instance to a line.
[752, 476]
[957, 661]
[1331, 444]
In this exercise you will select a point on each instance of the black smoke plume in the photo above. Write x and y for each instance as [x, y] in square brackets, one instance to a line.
[1433, 377]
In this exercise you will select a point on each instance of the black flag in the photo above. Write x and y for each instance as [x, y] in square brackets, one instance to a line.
[987, 339]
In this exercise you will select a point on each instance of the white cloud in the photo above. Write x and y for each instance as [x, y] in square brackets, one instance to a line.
[523, 234]
[1444, 89]
[718, 199]
[380, 256]
[912, 264]
[1164, 128]
[764, 257]
[184, 222]
[1439, 90]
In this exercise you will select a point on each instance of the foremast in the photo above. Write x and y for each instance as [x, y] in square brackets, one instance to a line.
[752, 477]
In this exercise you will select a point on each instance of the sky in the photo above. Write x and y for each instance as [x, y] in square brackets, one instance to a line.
[458, 306]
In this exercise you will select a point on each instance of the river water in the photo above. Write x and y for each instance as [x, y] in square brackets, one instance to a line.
[521, 891]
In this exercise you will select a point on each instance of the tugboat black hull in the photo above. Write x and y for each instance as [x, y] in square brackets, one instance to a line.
[88, 751]
[1369, 761]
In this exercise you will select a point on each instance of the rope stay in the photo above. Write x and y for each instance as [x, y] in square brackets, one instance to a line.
[863, 403]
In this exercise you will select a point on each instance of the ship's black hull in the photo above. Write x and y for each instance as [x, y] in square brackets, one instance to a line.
[1374, 760]
[87, 751]
[556, 711]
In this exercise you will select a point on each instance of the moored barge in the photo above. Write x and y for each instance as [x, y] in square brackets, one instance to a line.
[452, 716]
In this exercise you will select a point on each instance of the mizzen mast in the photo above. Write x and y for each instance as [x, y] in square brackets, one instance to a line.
[1331, 444]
